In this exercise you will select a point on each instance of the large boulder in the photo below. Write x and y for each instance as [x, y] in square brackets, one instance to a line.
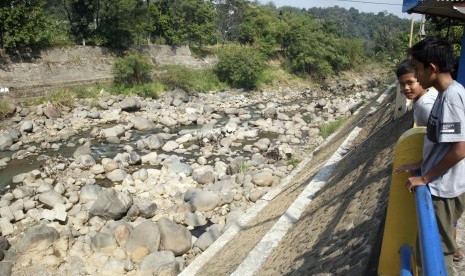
[141, 123]
[204, 200]
[159, 263]
[207, 238]
[174, 237]
[130, 104]
[145, 235]
[5, 141]
[111, 204]
[39, 237]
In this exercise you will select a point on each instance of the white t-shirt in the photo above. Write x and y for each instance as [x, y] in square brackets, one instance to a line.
[446, 125]
[422, 107]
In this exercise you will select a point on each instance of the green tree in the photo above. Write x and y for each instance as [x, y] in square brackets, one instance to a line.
[23, 24]
[230, 13]
[133, 69]
[186, 21]
[81, 16]
[118, 20]
[200, 20]
[240, 67]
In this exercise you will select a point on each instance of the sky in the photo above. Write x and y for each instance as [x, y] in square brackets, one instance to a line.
[374, 6]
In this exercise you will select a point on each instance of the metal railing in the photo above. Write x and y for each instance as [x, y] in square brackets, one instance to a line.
[432, 257]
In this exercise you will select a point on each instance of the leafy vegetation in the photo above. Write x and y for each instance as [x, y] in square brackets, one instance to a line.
[133, 69]
[240, 67]
[150, 90]
[317, 42]
[327, 129]
[6, 108]
[189, 79]
[293, 161]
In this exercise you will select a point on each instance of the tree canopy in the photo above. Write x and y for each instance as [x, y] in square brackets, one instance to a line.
[316, 41]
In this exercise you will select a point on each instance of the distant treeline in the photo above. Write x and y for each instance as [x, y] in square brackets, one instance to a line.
[321, 41]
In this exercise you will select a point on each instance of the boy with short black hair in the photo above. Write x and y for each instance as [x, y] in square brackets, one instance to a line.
[423, 99]
[443, 167]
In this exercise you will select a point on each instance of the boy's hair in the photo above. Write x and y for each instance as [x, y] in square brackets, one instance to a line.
[435, 50]
[405, 67]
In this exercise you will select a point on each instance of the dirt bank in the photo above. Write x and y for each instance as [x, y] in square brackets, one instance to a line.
[79, 65]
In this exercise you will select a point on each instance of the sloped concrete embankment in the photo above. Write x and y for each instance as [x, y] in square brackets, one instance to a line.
[340, 232]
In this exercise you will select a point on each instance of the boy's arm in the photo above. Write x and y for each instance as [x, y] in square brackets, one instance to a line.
[453, 156]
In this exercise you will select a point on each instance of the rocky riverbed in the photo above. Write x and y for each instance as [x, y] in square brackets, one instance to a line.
[129, 185]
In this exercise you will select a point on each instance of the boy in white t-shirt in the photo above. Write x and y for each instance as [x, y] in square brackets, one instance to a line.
[423, 99]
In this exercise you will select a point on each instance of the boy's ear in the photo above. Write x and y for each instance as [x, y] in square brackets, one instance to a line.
[434, 68]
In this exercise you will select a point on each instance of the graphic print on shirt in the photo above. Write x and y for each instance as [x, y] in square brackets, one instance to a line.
[450, 128]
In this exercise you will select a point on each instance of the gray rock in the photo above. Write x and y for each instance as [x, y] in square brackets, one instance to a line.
[141, 123]
[168, 121]
[115, 131]
[111, 204]
[145, 235]
[82, 150]
[204, 201]
[5, 212]
[51, 198]
[194, 220]
[204, 175]
[236, 165]
[93, 113]
[113, 267]
[6, 268]
[4, 244]
[21, 192]
[142, 209]
[256, 194]
[270, 112]
[152, 142]
[207, 238]
[263, 179]
[37, 237]
[150, 158]
[173, 164]
[170, 146]
[117, 175]
[263, 144]
[258, 159]
[27, 126]
[232, 217]
[130, 104]
[89, 193]
[132, 158]
[174, 237]
[321, 103]
[226, 142]
[103, 240]
[6, 227]
[85, 161]
[51, 112]
[19, 177]
[159, 263]
[5, 141]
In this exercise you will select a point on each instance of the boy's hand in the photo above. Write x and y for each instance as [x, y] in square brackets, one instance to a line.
[414, 181]
[407, 168]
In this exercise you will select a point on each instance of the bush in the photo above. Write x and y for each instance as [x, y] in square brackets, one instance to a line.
[151, 90]
[190, 80]
[6, 108]
[133, 69]
[330, 128]
[241, 67]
